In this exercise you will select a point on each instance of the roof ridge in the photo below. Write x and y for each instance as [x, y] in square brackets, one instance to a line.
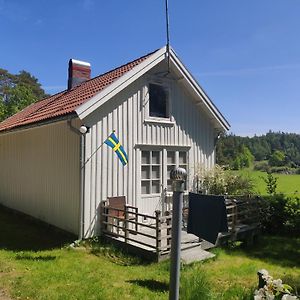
[112, 70]
[87, 81]
[66, 101]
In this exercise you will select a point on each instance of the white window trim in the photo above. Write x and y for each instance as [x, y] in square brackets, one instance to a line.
[152, 179]
[157, 120]
[163, 159]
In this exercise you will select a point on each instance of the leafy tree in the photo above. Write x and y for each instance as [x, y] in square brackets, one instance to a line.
[230, 149]
[243, 159]
[277, 159]
[271, 183]
[17, 92]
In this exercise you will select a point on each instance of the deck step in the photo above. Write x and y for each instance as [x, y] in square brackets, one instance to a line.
[195, 254]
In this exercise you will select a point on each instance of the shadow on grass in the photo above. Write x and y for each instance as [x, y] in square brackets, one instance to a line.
[19, 232]
[151, 284]
[35, 258]
[283, 251]
[101, 247]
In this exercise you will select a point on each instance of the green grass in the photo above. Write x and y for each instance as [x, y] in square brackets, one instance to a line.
[287, 184]
[34, 264]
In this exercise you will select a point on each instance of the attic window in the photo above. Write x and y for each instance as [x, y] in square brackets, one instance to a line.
[158, 101]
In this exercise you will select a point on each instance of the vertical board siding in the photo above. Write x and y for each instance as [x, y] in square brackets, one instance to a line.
[40, 174]
[125, 114]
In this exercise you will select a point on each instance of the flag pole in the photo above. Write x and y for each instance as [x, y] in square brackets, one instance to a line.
[168, 34]
[96, 150]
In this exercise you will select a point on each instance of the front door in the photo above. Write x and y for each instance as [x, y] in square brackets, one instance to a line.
[155, 180]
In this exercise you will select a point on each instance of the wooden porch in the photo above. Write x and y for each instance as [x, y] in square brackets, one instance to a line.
[150, 236]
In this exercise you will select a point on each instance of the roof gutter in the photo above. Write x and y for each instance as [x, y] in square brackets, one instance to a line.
[39, 123]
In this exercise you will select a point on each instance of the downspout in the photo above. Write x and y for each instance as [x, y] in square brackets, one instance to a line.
[82, 183]
[81, 132]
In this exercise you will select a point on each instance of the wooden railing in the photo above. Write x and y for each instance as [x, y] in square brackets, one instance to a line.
[153, 233]
[136, 228]
[242, 211]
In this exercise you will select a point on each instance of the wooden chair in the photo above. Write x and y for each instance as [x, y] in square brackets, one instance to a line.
[116, 210]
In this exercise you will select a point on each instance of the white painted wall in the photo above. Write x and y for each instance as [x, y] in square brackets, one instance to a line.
[125, 113]
[40, 174]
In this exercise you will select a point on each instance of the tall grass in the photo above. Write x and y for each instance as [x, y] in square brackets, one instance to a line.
[195, 285]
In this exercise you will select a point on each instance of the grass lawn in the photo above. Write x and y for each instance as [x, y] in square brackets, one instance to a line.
[34, 264]
[287, 184]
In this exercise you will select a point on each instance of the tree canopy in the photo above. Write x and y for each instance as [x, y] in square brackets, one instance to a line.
[278, 148]
[18, 91]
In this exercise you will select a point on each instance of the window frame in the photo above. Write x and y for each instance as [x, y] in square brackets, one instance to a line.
[153, 119]
[164, 164]
[151, 165]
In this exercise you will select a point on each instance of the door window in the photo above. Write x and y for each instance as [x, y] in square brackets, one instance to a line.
[156, 167]
[151, 172]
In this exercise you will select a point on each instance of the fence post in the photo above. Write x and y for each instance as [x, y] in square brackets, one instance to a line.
[158, 232]
[126, 224]
[136, 219]
[169, 222]
[234, 219]
[102, 217]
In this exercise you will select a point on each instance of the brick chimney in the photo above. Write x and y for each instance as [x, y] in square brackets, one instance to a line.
[79, 71]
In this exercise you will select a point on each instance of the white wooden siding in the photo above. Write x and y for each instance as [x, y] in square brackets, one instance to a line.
[125, 114]
[40, 174]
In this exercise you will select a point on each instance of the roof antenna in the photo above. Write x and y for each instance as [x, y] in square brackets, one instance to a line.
[168, 35]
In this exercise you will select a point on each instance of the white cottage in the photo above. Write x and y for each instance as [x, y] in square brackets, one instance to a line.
[53, 171]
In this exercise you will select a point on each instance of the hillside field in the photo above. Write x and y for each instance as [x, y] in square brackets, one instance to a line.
[287, 184]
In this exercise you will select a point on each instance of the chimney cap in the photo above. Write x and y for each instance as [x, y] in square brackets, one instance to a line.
[80, 62]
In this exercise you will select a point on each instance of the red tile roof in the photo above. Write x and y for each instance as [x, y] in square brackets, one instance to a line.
[66, 102]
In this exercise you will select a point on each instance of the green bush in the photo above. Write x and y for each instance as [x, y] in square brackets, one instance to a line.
[262, 166]
[271, 183]
[219, 182]
[281, 214]
[292, 210]
[282, 170]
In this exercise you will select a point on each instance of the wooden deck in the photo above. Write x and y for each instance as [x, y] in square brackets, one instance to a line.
[150, 236]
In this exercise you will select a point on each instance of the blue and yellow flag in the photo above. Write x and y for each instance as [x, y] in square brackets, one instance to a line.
[113, 142]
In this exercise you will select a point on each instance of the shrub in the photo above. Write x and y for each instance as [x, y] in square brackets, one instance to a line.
[292, 210]
[282, 170]
[219, 182]
[281, 214]
[262, 166]
[271, 183]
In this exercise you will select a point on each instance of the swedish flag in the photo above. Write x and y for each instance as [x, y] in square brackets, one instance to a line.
[113, 142]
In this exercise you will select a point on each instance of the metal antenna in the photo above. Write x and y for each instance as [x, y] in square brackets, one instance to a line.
[168, 34]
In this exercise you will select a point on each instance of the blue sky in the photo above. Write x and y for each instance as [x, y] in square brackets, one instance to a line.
[245, 54]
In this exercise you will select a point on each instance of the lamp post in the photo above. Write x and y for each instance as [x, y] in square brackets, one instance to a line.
[178, 176]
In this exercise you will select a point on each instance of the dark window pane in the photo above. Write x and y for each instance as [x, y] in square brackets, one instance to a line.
[158, 101]
[145, 172]
[156, 172]
[145, 157]
[155, 158]
[171, 157]
[155, 186]
[182, 157]
[145, 185]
